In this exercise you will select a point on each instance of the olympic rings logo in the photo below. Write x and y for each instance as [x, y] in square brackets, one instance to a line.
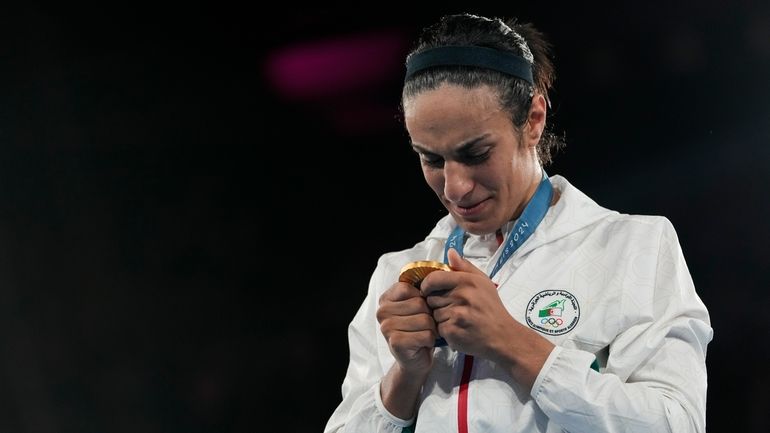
[553, 312]
[551, 321]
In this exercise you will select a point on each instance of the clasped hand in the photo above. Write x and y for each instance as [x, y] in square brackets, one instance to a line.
[462, 306]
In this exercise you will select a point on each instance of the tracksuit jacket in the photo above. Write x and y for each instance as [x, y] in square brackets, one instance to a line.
[612, 291]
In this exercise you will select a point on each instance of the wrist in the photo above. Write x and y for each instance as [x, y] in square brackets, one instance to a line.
[414, 377]
[400, 389]
[522, 352]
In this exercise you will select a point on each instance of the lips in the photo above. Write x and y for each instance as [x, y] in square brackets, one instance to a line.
[472, 210]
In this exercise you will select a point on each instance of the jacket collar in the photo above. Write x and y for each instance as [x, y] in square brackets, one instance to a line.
[571, 213]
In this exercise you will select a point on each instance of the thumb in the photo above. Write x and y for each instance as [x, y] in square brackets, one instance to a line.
[459, 263]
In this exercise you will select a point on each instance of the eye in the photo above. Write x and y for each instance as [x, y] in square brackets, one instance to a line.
[473, 158]
[431, 160]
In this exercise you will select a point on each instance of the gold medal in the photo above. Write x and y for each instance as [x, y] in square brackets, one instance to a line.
[414, 272]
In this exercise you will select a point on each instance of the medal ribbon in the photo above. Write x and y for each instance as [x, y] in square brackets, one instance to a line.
[528, 221]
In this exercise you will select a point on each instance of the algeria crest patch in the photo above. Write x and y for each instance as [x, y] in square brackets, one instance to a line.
[553, 312]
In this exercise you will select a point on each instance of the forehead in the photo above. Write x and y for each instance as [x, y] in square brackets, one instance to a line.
[452, 100]
[452, 114]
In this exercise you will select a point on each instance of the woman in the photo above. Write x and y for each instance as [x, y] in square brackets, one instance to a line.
[557, 314]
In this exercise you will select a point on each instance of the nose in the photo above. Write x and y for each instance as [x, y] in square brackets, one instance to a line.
[458, 181]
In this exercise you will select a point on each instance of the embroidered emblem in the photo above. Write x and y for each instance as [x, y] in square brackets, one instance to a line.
[553, 312]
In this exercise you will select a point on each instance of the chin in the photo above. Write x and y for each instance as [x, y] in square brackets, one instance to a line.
[477, 228]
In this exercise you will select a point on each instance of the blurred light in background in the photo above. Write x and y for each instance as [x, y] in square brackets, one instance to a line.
[340, 79]
[335, 67]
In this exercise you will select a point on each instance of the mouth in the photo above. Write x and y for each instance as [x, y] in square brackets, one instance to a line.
[472, 210]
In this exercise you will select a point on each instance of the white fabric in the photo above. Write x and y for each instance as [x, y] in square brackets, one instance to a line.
[639, 316]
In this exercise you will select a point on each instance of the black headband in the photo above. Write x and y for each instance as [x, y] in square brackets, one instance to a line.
[481, 57]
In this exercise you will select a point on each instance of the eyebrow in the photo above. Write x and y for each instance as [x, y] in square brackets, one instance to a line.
[463, 147]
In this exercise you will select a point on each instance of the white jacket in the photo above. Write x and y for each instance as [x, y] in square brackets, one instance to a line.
[598, 284]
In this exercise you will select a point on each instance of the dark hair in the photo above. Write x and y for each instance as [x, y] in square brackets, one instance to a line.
[515, 95]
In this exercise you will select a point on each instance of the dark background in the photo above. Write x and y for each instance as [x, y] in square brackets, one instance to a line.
[192, 199]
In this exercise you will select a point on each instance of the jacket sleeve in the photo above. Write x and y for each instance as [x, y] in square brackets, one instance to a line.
[361, 409]
[655, 377]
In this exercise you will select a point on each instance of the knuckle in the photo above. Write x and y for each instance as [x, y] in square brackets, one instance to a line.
[460, 314]
[419, 304]
[382, 315]
[426, 338]
[396, 339]
[427, 322]
[386, 326]
[388, 294]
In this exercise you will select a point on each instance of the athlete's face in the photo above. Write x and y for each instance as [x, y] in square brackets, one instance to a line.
[482, 168]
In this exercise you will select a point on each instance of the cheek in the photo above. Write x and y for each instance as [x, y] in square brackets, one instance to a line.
[489, 178]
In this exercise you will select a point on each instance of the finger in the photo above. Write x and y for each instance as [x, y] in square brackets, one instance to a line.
[448, 330]
[438, 283]
[441, 315]
[424, 338]
[439, 300]
[418, 322]
[459, 263]
[400, 291]
[408, 307]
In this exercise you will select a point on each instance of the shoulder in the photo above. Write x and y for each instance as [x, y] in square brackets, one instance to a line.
[642, 225]
[580, 212]
[642, 239]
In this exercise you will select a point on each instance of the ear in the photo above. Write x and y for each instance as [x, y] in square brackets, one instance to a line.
[533, 130]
